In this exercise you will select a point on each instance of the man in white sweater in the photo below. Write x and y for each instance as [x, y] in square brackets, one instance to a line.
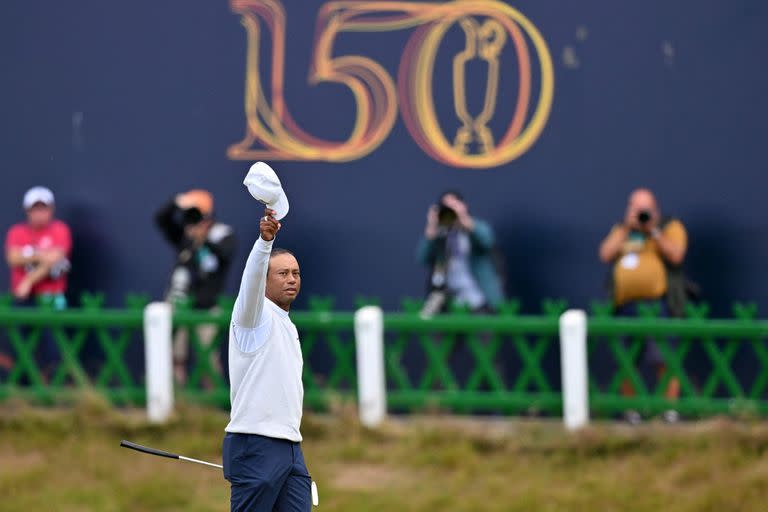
[261, 450]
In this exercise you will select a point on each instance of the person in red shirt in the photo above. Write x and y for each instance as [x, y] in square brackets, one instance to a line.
[38, 251]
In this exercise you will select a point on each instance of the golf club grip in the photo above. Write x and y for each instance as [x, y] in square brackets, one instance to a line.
[146, 449]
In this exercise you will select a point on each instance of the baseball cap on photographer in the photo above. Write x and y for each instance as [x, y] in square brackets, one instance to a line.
[264, 185]
[37, 195]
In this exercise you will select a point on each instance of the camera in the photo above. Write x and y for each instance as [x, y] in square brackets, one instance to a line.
[192, 216]
[644, 217]
[446, 216]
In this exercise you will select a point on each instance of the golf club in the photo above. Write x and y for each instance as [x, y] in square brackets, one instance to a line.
[162, 453]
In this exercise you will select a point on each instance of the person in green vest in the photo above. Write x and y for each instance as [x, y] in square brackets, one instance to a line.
[459, 250]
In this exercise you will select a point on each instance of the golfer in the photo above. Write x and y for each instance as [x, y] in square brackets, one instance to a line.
[261, 451]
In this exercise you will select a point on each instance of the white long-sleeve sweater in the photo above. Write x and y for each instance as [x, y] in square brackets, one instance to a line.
[265, 361]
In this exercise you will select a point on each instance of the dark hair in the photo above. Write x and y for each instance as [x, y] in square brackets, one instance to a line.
[277, 251]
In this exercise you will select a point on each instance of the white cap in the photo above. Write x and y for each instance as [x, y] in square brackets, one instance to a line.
[38, 195]
[264, 185]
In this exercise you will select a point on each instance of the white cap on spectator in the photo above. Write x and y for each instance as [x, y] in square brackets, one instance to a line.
[38, 195]
[264, 185]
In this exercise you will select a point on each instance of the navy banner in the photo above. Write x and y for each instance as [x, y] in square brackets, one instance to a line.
[544, 114]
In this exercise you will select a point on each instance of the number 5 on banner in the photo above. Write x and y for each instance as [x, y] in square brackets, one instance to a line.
[272, 127]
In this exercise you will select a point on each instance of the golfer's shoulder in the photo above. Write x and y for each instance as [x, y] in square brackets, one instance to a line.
[265, 318]
[250, 339]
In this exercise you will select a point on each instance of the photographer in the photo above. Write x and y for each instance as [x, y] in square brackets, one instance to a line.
[459, 250]
[646, 254]
[204, 250]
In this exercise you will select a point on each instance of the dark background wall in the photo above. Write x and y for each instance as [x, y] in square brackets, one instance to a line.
[119, 105]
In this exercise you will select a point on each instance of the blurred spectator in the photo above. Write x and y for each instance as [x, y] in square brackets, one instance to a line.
[460, 253]
[646, 254]
[38, 252]
[204, 253]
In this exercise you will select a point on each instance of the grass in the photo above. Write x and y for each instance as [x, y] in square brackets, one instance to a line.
[69, 460]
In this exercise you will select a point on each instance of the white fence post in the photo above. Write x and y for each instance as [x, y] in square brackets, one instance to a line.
[573, 362]
[371, 384]
[158, 318]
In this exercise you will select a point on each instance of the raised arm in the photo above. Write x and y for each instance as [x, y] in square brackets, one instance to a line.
[166, 219]
[482, 236]
[610, 248]
[250, 299]
[672, 242]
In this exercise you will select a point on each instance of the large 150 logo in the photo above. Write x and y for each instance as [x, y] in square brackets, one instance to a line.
[490, 28]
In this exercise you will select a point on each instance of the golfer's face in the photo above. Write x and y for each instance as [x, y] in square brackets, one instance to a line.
[284, 279]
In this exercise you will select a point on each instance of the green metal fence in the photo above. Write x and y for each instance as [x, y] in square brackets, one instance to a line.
[507, 363]
[23, 331]
[721, 364]
[463, 362]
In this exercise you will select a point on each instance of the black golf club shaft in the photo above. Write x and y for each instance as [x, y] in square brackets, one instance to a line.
[162, 453]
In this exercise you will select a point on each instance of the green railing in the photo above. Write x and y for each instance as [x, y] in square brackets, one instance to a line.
[463, 362]
[419, 371]
[721, 364]
[508, 363]
[72, 330]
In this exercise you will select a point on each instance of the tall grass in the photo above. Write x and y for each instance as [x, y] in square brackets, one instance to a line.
[69, 460]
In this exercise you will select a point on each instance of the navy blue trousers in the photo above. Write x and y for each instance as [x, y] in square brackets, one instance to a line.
[652, 354]
[266, 474]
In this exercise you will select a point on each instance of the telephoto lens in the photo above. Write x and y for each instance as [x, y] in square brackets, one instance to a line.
[434, 304]
[180, 281]
[644, 216]
[446, 216]
[192, 216]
